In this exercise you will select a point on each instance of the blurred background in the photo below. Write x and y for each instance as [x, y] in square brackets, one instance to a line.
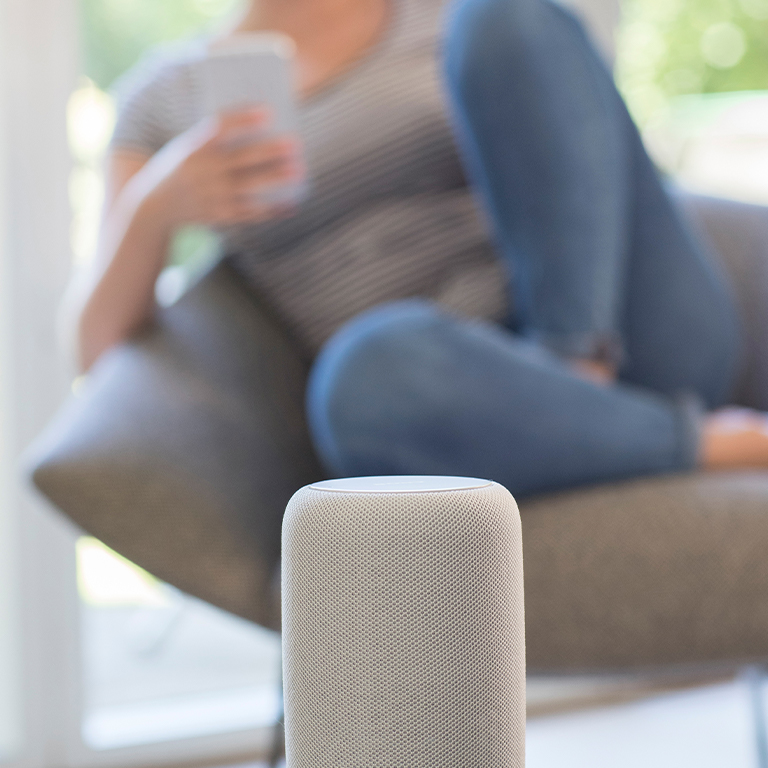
[100, 663]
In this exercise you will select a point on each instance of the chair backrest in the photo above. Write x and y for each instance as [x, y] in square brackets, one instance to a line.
[184, 446]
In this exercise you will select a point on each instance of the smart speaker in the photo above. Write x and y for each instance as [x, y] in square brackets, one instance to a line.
[403, 629]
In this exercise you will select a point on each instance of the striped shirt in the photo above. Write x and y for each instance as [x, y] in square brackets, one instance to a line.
[389, 214]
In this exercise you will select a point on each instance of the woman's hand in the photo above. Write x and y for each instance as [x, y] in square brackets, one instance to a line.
[734, 438]
[214, 173]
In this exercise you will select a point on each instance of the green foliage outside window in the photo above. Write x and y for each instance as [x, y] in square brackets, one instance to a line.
[669, 48]
[115, 33]
[114, 36]
[666, 48]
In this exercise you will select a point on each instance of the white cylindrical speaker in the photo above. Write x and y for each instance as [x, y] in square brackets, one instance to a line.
[403, 628]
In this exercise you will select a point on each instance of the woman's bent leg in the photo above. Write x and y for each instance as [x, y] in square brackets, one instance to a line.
[537, 120]
[601, 260]
[681, 327]
[408, 389]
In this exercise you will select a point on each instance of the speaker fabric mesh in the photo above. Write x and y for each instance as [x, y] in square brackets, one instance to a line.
[403, 630]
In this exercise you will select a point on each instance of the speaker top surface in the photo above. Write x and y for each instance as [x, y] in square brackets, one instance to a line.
[400, 484]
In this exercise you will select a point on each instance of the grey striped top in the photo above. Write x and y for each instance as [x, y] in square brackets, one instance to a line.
[389, 214]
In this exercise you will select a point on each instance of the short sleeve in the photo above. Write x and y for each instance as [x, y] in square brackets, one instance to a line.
[156, 100]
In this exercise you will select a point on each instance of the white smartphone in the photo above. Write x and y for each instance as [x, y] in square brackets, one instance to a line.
[253, 70]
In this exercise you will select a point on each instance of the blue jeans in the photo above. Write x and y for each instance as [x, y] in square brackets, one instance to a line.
[603, 268]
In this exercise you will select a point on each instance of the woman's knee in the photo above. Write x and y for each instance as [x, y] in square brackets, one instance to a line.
[482, 35]
[358, 387]
[477, 33]
[495, 51]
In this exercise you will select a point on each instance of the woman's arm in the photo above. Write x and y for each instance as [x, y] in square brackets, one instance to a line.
[203, 176]
[114, 297]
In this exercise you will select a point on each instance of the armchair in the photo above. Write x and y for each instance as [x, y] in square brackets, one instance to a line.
[186, 443]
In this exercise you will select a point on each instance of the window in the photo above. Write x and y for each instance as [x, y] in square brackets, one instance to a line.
[10, 707]
[36, 72]
[161, 666]
[695, 76]
[9, 702]
[145, 688]
[158, 666]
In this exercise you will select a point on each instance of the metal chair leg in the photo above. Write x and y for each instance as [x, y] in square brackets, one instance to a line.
[277, 748]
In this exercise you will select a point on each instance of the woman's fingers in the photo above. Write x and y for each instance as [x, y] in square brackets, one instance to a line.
[227, 198]
[238, 123]
[220, 170]
[245, 210]
[248, 199]
[214, 133]
[261, 152]
[259, 178]
[256, 165]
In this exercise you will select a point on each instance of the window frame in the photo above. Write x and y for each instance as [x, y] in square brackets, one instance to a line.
[39, 46]
[10, 683]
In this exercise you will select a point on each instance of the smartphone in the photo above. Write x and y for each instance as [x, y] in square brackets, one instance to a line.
[255, 69]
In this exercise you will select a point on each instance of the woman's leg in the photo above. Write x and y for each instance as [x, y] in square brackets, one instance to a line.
[602, 266]
[680, 326]
[409, 389]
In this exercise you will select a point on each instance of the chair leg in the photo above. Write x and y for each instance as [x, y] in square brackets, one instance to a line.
[277, 748]
[756, 680]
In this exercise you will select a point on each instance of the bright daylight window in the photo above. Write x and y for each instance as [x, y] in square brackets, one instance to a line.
[10, 709]
[695, 75]
[158, 665]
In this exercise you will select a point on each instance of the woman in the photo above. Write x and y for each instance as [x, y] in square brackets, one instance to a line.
[622, 327]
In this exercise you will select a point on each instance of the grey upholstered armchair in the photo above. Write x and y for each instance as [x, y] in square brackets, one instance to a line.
[186, 444]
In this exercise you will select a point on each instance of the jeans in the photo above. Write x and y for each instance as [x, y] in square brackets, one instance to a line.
[603, 268]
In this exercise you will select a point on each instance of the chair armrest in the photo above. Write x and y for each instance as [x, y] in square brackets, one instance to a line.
[185, 446]
[738, 233]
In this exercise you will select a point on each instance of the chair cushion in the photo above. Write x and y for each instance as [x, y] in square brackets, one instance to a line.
[185, 445]
[738, 233]
[660, 571]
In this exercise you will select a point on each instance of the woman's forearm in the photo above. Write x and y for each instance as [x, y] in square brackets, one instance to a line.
[203, 176]
[117, 297]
